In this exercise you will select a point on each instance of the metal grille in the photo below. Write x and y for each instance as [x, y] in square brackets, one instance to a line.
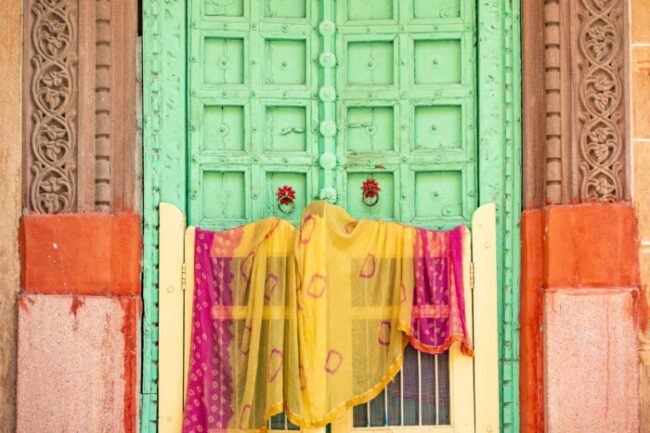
[281, 422]
[417, 396]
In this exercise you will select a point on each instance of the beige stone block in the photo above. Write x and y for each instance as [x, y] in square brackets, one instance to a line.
[591, 363]
[640, 18]
[641, 193]
[640, 92]
[77, 364]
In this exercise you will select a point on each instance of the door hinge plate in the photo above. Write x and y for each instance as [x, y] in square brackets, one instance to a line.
[471, 275]
[183, 277]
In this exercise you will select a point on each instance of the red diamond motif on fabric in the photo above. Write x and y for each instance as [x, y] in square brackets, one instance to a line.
[316, 286]
[384, 333]
[369, 267]
[272, 281]
[333, 362]
[307, 229]
[275, 364]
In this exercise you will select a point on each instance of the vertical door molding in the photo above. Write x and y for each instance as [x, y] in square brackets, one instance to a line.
[583, 152]
[499, 100]
[164, 154]
[80, 115]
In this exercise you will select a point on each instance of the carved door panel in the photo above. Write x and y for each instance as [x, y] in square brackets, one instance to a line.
[252, 112]
[406, 109]
[323, 95]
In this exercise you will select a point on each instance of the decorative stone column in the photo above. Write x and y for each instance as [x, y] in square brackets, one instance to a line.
[80, 305]
[580, 282]
[10, 201]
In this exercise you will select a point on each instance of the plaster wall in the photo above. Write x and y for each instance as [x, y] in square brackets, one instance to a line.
[640, 132]
[10, 200]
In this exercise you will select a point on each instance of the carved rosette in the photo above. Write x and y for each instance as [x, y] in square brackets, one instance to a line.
[52, 184]
[601, 95]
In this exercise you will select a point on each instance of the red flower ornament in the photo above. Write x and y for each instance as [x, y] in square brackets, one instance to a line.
[370, 191]
[286, 197]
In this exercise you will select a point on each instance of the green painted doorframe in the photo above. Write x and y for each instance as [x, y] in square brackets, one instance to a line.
[499, 145]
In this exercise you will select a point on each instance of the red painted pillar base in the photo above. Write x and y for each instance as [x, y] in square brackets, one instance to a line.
[579, 319]
[79, 316]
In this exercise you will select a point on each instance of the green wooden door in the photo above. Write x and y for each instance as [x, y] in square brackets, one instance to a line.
[322, 95]
[194, 160]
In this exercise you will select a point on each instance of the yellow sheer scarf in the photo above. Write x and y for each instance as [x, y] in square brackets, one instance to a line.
[309, 321]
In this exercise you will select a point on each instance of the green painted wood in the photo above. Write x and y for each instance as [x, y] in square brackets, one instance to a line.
[499, 78]
[321, 95]
[164, 154]
[406, 109]
[253, 117]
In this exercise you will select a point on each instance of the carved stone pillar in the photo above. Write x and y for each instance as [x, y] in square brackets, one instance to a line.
[80, 123]
[576, 124]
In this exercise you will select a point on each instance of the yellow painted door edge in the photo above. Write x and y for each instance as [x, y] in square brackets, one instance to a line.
[170, 303]
[189, 301]
[486, 334]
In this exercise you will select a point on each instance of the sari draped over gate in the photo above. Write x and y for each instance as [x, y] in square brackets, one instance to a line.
[313, 321]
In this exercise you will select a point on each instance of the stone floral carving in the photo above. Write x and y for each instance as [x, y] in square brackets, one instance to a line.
[52, 184]
[601, 95]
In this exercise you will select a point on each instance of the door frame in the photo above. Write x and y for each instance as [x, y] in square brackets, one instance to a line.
[165, 24]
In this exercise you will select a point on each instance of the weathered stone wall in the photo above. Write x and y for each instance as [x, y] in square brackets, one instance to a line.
[78, 315]
[10, 201]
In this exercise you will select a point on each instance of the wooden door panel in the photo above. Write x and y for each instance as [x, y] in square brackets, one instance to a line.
[286, 61]
[285, 8]
[406, 110]
[227, 128]
[224, 8]
[437, 61]
[253, 115]
[369, 10]
[390, 89]
[385, 208]
[427, 9]
[370, 63]
[224, 60]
